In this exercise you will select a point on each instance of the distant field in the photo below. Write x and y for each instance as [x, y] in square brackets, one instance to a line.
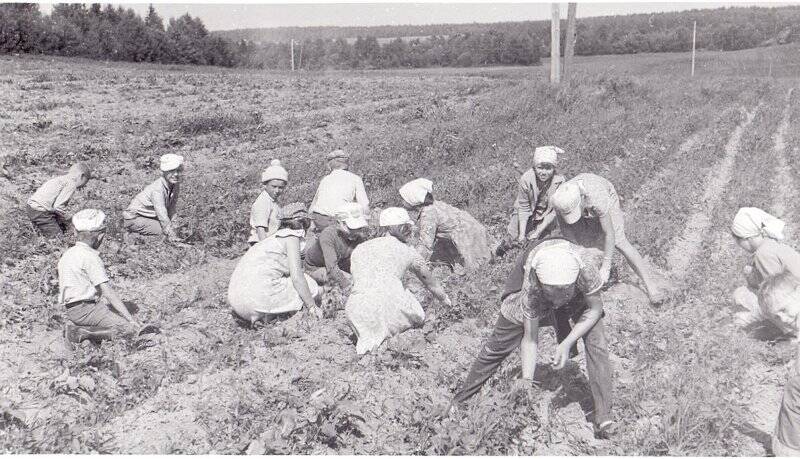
[683, 153]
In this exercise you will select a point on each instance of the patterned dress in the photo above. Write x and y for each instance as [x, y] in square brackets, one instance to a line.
[261, 282]
[379, 305]
[441, 221]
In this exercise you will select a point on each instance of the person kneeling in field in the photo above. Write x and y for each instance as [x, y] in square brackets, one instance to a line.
[150, 213]
[328, 257]
[443, 227]
[554, 281]
[589, 214]
[379, 306]
[779, 297]
[339, 187]
[94, 308]
[269, 280]
[46, 207]
[533, 216]
[759, 233]
[265, 212]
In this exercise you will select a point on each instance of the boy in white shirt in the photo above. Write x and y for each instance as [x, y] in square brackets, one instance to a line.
[93, 306]
[339, 187]
[265, 214]
[47, 206]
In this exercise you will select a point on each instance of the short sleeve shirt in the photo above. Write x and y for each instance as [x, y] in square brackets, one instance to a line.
[597, 192]
[53, 194]
[157, 200]
[80, 271]
[265, 213]
[532, 304]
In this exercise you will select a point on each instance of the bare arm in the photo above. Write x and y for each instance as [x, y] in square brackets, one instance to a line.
[261, 233]
[426, 277]
[548, 219]
[588, 320]
[296, 272]
[116, 302]
[608, 246]
[529, 347]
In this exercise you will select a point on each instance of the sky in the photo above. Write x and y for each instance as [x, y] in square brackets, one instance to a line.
[248, 14]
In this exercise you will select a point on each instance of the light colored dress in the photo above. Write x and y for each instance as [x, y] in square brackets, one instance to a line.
[443, 221]
[379, 305]
[261, 282]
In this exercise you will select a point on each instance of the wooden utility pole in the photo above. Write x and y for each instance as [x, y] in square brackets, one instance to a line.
[555, 46]
[292, 47]
[694, 41]
[569, 46]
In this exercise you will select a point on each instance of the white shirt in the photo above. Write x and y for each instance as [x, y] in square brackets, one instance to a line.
[337, 188]
[54, 194]
[80, 271]
[265, 213]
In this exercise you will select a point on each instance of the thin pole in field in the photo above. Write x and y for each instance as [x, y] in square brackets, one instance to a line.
[694, 42]
[569, 46]
[292, 48]
[555, 46]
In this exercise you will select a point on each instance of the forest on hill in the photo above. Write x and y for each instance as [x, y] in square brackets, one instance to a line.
[116, 33]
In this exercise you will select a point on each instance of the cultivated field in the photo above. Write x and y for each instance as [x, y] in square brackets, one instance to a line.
[684, 154]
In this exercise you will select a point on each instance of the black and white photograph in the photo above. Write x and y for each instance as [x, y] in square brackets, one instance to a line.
[386, 228]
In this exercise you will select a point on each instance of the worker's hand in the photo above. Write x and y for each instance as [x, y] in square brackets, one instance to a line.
[561, 356]
[447, 301]
[533, 235]
[747, 270]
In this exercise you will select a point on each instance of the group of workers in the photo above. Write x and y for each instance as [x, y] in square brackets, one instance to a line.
[568, 230]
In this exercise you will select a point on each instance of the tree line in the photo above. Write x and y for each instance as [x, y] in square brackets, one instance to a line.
[115, 33]
[110, 33]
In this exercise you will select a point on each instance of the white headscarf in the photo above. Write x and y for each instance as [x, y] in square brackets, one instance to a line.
[752, 221]
[414, 192]
[548, 154]
[556, 265]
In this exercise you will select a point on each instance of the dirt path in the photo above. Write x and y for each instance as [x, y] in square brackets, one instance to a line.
[687, 246]
[785, 183]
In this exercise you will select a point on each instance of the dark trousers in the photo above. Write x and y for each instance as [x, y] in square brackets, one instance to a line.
[507, 337]
[321, 221]
[49, 224]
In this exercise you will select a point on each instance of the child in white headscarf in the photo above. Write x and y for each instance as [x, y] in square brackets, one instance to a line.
[759, 233]
[442, 223]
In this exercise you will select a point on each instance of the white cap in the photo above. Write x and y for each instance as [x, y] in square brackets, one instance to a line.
[394, 216]
[350, 213]
[548, 154]
[274, 172]
[170, 162]
[556, 265]
[415, 191]
[89, 220]
[567, 202]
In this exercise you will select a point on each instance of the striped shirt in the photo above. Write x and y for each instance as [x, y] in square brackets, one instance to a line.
[53, 195]
[80, 271]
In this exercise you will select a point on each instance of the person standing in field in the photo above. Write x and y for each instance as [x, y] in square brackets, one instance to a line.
[442, 225]
[269, 280]
[552, 281]
[760, 234]
[379, 306]
[94, 308]
[150, 212]
[533, 216]
[47, 206]
[589, 214]
[339, 187]
[265, 212]
[327, 258]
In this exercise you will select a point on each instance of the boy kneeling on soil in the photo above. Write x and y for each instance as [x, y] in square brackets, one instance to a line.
[46, 207]
[327, 258]
[150, 212]
[94, 308]
[554, 281]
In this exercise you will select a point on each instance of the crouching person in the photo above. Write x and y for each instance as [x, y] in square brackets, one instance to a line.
[93, 306]
[269, 280]
[328, 257]
[150, 212]
[47, 206]
[379, 305]
[779, 297]
[760, 234]
[558, 282]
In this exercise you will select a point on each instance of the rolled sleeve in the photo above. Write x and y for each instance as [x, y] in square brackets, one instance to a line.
[95, 271]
